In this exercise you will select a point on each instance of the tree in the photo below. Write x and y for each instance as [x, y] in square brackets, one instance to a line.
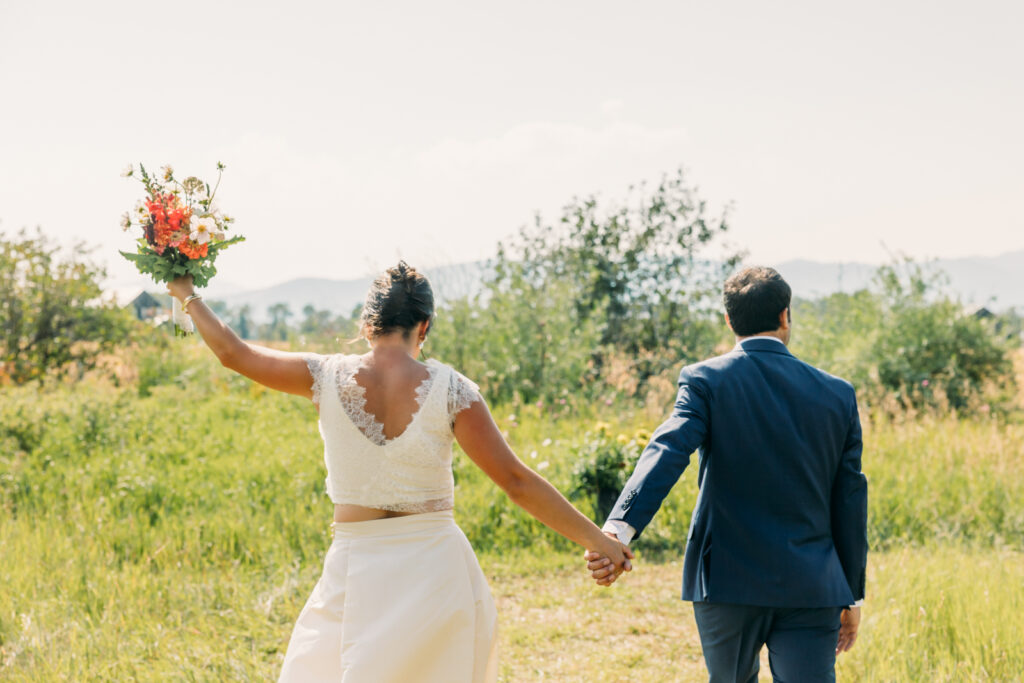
[641, 266]
[517, 342]
[277, 329]
[52, 317]
[244, 322]
[928, 350]
[640, 273]
[907, 339]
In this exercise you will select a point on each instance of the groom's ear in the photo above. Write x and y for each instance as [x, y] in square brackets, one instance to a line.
[729, 323]
[785, 318]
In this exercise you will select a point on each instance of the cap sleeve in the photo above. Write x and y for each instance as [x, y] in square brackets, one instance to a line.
[462, 393]
[318, 371]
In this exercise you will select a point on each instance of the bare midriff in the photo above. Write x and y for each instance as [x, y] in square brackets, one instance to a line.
[358, 513]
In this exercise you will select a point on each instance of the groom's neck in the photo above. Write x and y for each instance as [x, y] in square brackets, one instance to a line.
[781, 335]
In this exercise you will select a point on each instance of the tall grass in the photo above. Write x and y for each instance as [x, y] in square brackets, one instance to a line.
[174, 536]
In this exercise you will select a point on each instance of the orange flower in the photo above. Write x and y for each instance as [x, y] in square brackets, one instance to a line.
[193, 250]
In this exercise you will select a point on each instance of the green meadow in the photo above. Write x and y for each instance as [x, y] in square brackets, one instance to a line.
[170, 526]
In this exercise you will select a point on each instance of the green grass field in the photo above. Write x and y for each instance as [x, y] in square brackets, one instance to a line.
[175, 537]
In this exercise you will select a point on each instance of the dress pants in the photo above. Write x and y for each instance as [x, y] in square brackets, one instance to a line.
[801, 642]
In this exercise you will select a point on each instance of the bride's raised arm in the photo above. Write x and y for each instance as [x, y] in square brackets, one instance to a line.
[482, 441]
[280, 370]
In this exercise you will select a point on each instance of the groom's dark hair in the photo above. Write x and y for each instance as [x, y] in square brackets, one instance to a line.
[754, 298]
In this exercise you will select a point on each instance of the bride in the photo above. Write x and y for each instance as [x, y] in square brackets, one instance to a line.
[402, 598]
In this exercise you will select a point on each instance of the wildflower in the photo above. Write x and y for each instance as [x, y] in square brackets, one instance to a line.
[128, 171]
[141, 211]
[189, 249]
[543, 465]
[924, 383]
[202, 229]
[546, 443]
[193, 185]
[168, 173]
[602, 427]
[622, 439]
[533, 455]
[126, 221]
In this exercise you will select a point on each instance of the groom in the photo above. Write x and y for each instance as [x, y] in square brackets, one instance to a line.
[777, 546]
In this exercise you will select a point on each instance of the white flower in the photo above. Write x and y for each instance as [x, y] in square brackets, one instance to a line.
[543, 465]
[128, 171]
[141, 212]
[126, 221]
[202, 229]
[168, 173]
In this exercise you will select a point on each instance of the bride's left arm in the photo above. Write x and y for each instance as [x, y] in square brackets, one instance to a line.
[483, 442]
[281, 370]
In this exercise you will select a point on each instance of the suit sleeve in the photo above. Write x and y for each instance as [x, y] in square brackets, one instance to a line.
[850, 509]
[667, 455]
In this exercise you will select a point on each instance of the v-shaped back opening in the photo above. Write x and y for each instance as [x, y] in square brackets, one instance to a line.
[384, 404]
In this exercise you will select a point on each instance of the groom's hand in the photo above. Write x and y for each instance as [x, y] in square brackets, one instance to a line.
[849, 622]
[602, 569]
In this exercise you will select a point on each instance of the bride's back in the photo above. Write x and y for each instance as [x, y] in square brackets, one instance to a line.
[391, 383]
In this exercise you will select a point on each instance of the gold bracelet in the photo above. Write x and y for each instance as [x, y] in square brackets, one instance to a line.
[189, 299]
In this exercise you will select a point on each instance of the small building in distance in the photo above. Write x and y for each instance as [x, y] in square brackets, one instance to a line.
[146, 306]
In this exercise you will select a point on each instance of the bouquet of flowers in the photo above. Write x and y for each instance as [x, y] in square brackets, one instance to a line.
[182, 231]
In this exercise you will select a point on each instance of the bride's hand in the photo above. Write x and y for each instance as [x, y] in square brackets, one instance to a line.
[609, 560]
[181, 287]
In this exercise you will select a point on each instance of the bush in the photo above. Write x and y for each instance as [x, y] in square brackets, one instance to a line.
[907, 342]
[52, 319]
[928, 351]
[602, 466]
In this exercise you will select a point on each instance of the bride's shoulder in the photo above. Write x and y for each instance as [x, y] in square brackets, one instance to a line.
[332, 361]
[462, 391]
[456, 376]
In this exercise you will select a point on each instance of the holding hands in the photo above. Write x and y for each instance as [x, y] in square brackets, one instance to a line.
[607, 562]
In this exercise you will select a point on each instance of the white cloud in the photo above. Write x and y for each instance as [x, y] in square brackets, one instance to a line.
[308, 213]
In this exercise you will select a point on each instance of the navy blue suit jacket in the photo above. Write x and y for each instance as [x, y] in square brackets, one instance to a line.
[781, 517]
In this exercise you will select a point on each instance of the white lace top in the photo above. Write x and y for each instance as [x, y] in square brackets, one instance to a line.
[409, 473]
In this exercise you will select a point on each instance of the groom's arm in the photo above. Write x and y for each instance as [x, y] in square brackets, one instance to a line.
[665, 458]
[850, 509]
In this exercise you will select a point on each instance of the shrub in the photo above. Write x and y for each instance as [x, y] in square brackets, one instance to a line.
[602, 464]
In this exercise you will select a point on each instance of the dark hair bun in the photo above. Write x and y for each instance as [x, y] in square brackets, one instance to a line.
[398, 300]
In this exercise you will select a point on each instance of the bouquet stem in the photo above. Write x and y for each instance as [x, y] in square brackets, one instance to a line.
[182, 322]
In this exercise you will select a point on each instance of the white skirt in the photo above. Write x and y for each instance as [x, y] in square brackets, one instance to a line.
[401, 600]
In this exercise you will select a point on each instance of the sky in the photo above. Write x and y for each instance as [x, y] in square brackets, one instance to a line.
[355, 134]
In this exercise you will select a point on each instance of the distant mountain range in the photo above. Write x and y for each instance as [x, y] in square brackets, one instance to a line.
[996, 282]
[342, 296]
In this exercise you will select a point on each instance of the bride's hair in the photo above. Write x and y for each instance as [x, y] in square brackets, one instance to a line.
[398, 300]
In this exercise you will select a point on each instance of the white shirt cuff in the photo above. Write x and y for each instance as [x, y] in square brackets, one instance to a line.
[858, 603]
[623, 531]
